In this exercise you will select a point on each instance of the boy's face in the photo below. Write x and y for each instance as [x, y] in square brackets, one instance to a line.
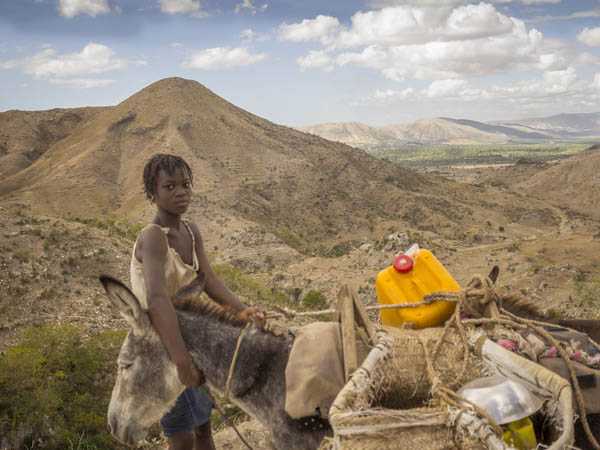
[173, 192]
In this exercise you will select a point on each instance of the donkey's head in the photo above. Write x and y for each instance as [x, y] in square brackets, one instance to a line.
[147, 383]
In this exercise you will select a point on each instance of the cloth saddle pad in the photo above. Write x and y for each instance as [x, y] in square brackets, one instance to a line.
[315, 372]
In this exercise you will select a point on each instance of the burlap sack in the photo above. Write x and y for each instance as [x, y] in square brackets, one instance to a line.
[314, 374]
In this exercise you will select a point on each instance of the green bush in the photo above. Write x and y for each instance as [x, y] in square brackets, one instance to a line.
[55, 388]
[314, 300]
[247, 287]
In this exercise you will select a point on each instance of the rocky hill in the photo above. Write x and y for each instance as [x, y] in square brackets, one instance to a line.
[312, 194]
[353, 133]
[446, 130]
[26, 135]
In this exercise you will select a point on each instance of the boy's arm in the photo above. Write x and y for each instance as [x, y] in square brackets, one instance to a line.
[160, 309]
[217, 290]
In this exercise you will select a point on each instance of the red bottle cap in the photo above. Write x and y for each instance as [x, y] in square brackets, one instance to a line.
[403, 263]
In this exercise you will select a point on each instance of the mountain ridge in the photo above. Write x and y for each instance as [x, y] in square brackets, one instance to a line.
[451, 131]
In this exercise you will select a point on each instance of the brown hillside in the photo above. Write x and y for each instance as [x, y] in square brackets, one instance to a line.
[442, 131]
[49, 272]
[574, 183]
[310, 192]
[26, 135]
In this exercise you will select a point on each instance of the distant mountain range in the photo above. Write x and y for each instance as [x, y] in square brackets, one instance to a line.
[445, 130]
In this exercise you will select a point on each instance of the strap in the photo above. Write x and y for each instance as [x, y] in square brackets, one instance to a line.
[195, 263]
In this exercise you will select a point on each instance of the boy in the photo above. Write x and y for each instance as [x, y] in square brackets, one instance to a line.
[167, 255]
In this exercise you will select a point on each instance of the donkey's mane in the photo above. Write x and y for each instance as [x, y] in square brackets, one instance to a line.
[206, 307]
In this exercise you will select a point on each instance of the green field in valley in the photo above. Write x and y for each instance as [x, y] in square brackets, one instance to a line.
[463, 155]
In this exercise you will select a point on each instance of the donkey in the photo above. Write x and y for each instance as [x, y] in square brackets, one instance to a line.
[147, 384]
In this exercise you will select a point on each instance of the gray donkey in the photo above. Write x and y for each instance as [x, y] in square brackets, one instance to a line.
[147, 384]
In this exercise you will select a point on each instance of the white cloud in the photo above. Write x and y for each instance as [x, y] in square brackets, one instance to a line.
[453, 59]
[407, 25]
[559, 81]
[431, 43]
[81, 83]
[590, 36]
[71, 68]
[321, 28]
[92, 59]
[222, 58]
[191, 7]
[316, 59]
[72, 8]
[389, 95]
[445, 88]
[248, 35]
[250, 7]
[553, 86]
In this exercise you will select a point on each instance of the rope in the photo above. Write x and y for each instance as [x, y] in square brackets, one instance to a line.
[428, 299]
[438, 389]
[228, 385]
[234, 362]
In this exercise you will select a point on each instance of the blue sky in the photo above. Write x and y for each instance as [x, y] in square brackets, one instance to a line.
[305, 62]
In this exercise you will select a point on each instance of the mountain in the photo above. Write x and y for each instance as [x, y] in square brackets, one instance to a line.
[443, 131]
[352, 133]
[565, 126]
[446, 130]
[511, 133]
[250, 174]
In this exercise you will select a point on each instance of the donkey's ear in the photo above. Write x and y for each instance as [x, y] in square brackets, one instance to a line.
[126, 302]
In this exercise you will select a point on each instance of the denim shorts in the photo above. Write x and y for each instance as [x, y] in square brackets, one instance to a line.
[192, 409]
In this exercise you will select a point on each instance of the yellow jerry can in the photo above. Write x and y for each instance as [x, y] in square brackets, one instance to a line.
[521, 434]
[413, 276]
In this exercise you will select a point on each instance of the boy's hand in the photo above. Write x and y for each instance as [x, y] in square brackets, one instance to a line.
[189, 375]
[252, 313]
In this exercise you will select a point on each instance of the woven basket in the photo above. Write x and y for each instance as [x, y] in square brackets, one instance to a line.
[387, 402]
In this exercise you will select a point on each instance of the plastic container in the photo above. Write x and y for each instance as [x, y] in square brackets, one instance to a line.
[520, 434]
[506, 401]
[414, 275]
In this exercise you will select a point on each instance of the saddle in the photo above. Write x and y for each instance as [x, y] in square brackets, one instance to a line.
[315, 372]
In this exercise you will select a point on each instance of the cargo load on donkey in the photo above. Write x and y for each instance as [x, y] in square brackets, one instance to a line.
[407, 393]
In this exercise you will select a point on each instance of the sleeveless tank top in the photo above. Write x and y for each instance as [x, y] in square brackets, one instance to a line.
[177, 272]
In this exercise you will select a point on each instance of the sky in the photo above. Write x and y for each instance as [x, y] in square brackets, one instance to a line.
[305, 62]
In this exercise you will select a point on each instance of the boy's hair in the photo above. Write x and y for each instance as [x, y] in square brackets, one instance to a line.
[166, 162]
